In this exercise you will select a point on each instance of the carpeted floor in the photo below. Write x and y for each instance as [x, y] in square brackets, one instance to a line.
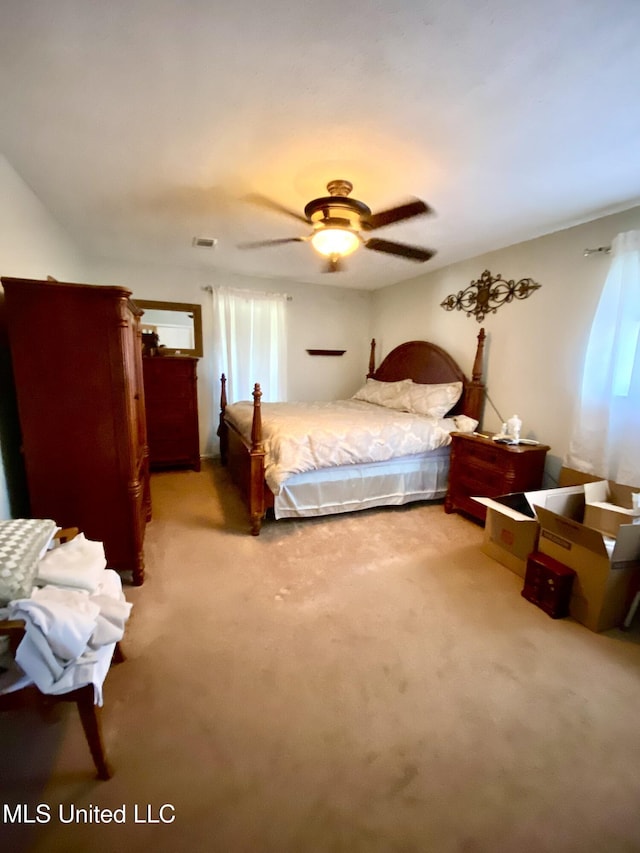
[368, 683]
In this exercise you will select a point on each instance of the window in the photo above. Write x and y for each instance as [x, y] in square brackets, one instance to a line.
[251, 342]
[607, 431]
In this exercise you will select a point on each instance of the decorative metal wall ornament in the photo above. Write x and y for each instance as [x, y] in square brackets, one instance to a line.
[486, 295]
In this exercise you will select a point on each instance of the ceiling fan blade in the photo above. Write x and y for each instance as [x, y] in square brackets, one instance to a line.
[395, 214]
[258, 244]
[334, 265]
[269, 204]
[413, 253]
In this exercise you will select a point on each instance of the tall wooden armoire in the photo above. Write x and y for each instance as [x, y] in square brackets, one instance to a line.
[77, 363]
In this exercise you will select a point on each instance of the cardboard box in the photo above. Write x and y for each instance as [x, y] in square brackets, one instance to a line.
[512, 528]
[552, 521]
[573, 477]
[608, 505]
[604, 566]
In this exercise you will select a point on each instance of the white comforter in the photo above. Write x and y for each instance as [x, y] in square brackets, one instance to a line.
[306, 436]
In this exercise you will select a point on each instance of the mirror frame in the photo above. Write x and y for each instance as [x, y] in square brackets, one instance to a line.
[186, 308]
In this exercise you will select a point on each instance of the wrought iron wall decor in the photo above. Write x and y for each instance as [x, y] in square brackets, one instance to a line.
[487, 294]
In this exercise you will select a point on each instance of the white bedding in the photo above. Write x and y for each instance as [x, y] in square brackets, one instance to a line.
[355, 487]
[342, 432]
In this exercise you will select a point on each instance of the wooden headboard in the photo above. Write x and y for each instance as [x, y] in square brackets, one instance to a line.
[429, 364]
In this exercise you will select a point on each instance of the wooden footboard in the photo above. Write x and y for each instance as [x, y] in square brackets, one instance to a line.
[245, 460]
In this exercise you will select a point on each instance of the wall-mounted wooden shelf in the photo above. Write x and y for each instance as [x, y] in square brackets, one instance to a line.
[326, 351]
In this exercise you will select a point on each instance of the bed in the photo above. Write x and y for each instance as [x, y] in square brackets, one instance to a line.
[375, 449]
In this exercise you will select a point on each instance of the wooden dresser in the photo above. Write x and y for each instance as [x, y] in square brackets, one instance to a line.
[483, 468]
[77, 366]
[171, 395]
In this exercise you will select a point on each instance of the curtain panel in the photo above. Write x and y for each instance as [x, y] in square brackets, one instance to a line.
[250, 340]
[606, 436]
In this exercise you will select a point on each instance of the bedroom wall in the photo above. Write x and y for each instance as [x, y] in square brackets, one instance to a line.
[535, 347]
[319, 317]
[32, 245]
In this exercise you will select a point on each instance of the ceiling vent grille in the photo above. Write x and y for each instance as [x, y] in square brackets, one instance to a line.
[204, 242]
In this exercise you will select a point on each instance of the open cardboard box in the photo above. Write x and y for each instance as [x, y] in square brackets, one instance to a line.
[608, 505]
[604, 565]
[553, 521]
[512, 528]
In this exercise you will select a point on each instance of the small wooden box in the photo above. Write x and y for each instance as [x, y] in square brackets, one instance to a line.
[548, 584]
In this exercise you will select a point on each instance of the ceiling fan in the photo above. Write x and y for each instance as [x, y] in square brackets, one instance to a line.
[338, 223]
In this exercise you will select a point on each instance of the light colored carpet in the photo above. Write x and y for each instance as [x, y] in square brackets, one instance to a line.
[369, 682]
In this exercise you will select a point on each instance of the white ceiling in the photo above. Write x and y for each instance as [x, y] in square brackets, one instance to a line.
[141, 124]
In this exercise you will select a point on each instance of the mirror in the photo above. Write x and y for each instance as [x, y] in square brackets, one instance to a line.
[178, 326]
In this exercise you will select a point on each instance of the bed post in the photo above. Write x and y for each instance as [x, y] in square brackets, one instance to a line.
[223, 429]
[475, 391]
[256, 477]
[372, 358]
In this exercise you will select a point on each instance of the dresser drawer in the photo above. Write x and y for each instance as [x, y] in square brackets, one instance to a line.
[481, 481]
[480, 454]
[165, 450]
[480, 467]
[171, 420]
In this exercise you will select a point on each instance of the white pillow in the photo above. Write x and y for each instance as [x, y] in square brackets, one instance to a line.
[458, 423]
[465, 424]
[433, 400]
[389, 394]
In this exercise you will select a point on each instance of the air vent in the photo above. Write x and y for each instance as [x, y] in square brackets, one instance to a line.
[204, 242]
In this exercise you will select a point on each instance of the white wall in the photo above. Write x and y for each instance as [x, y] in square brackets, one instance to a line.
[32, 245]
[535, 347]
[319, 317]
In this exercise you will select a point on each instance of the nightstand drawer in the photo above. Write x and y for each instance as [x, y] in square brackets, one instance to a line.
[488, 454]
[487, 482]
[481, 468]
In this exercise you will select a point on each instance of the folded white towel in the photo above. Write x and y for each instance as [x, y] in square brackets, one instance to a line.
[110, 621]
[36, 658]
[78, 564]
[40, 667]
[70, 635]
[114, 610]
[66, 617]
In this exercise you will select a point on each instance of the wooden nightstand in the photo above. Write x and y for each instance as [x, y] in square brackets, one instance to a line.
[483, 468]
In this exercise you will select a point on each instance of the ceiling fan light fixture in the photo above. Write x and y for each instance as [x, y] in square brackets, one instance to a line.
[332, 242]
[337, 222]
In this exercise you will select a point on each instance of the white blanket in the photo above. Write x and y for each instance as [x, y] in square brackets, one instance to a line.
[78, 564]
[308, 436]
[65, 617]
[70, 635]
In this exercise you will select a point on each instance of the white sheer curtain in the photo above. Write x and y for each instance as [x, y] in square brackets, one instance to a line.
[250, 340]
[606, 438]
